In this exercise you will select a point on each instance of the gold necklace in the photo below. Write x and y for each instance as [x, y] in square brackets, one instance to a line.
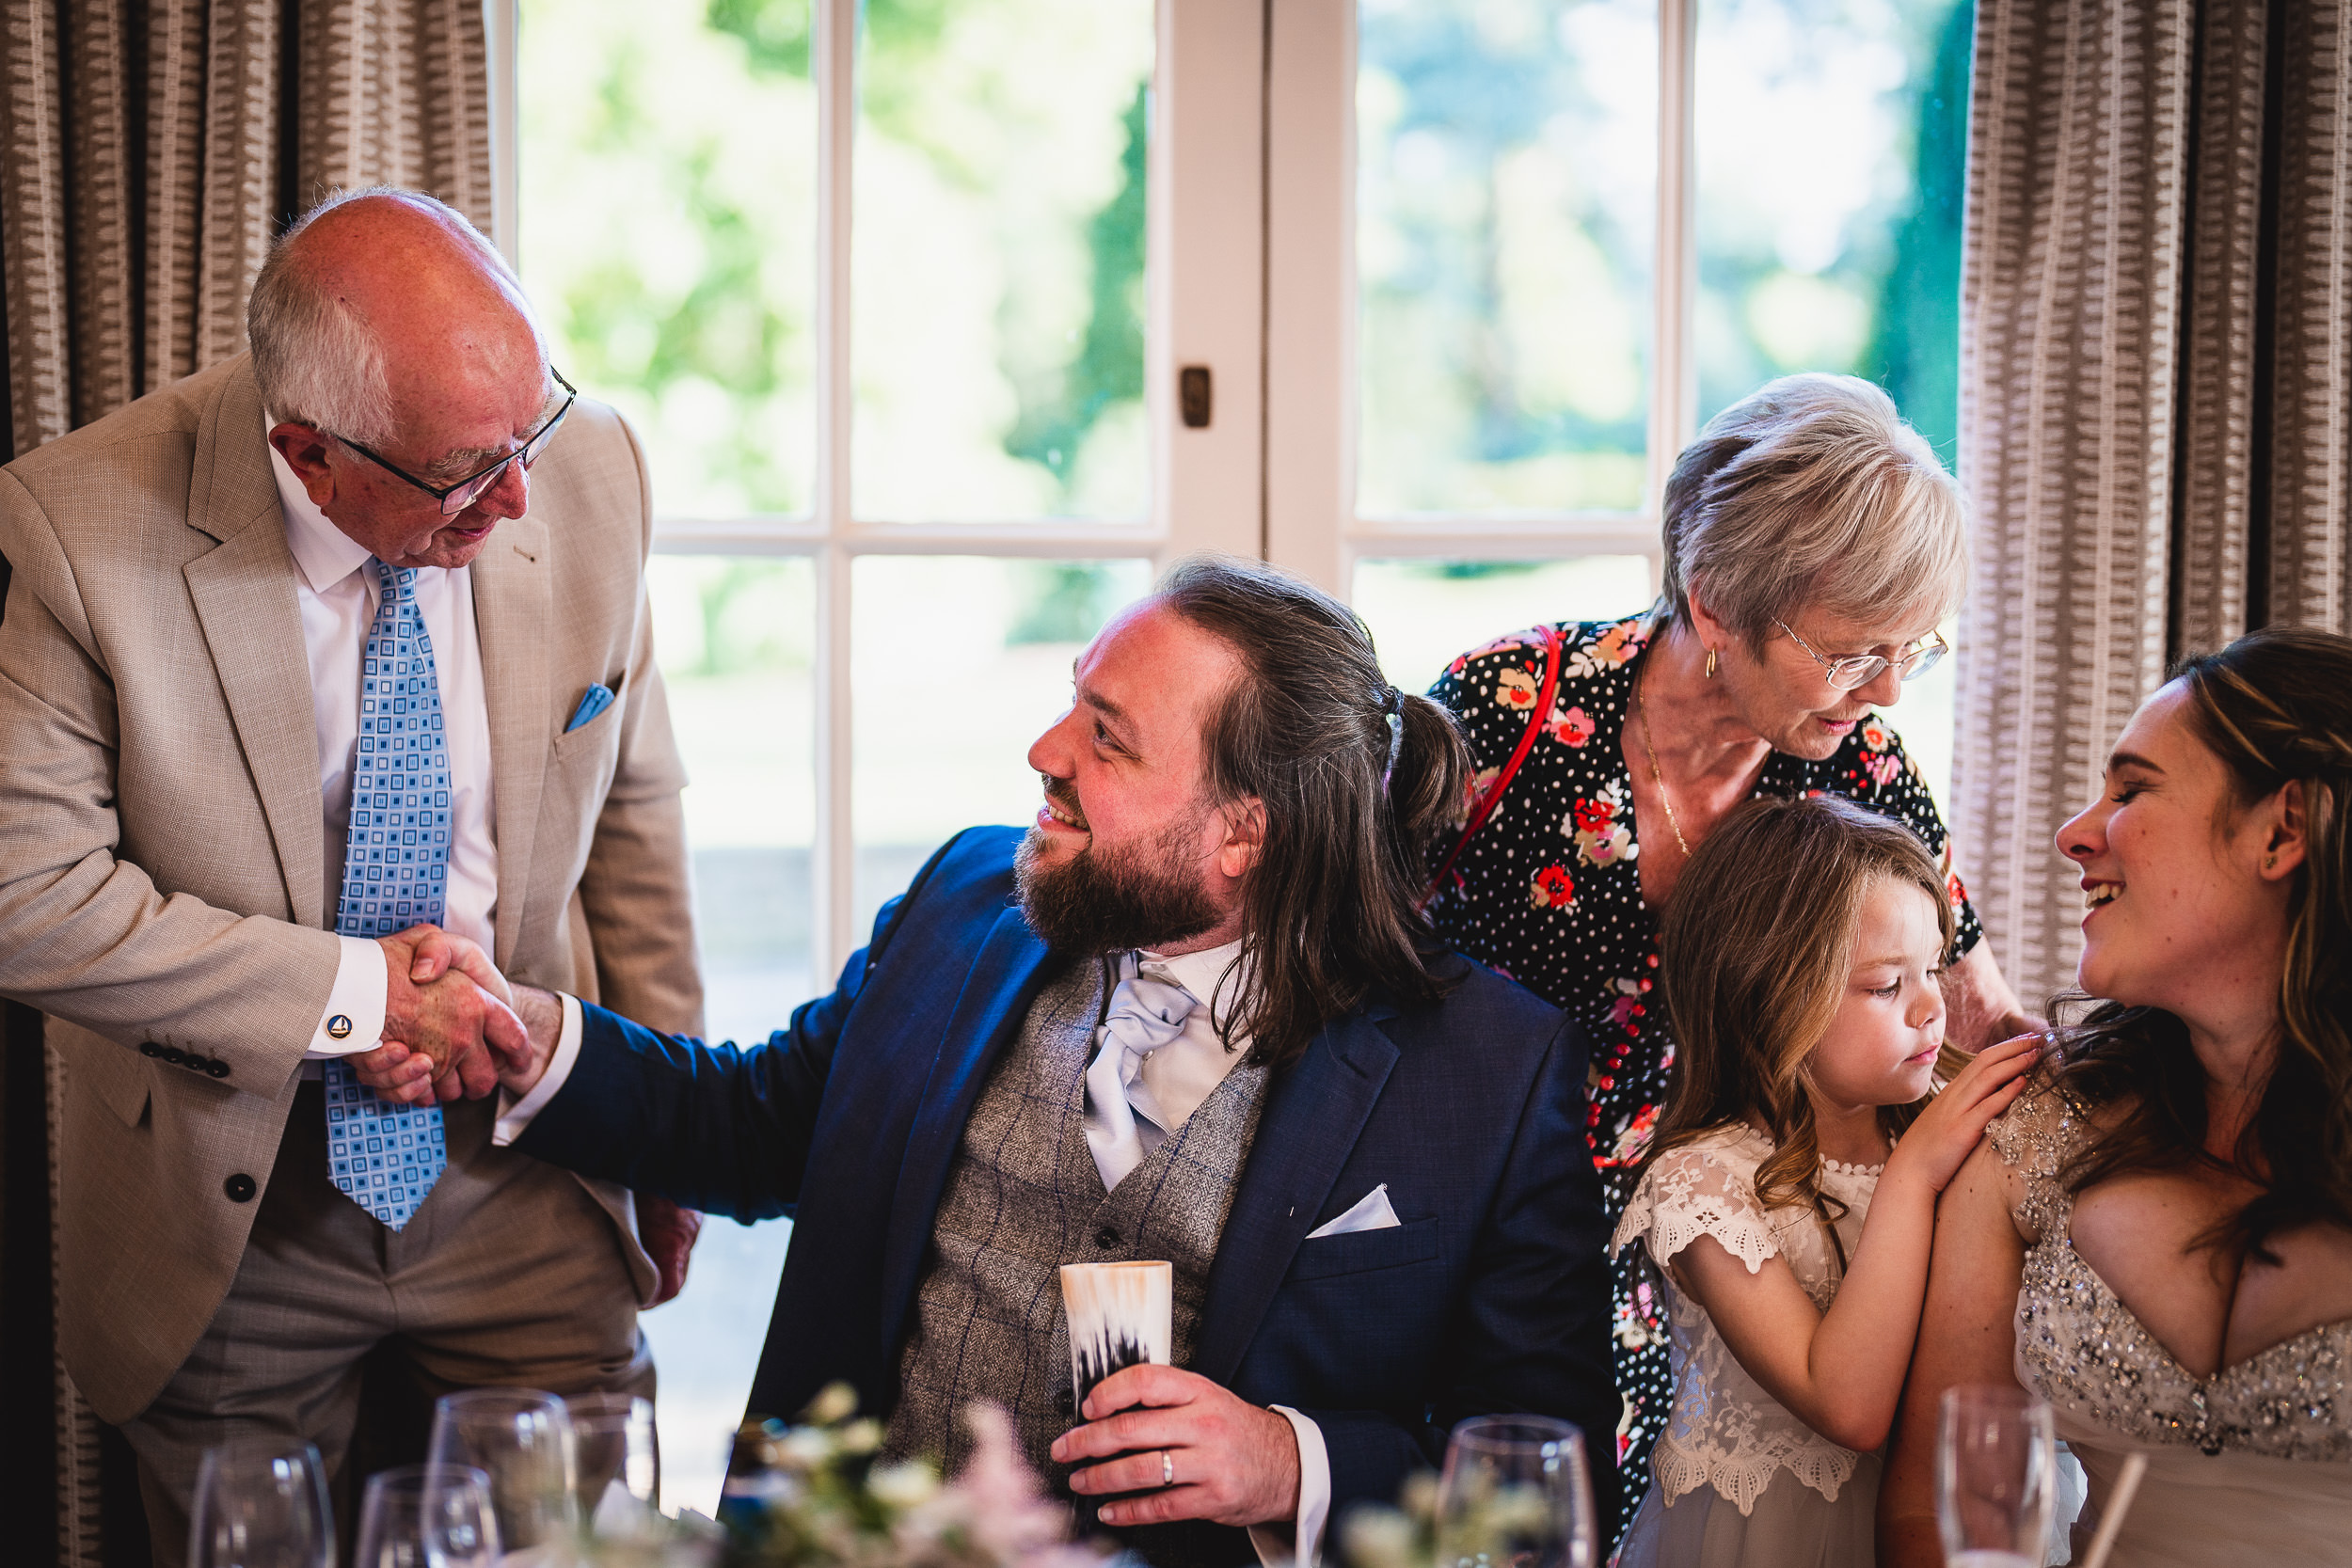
[1657, 775]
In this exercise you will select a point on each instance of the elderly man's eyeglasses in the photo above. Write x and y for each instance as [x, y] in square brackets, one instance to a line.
[1856, 670]
[456, 498]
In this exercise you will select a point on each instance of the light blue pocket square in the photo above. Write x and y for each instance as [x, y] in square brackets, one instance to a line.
[592, 702]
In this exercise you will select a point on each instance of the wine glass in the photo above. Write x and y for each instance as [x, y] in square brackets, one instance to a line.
[261, 1502]
[522, 1440]
[1995, 1478]
[428, 1516]
[1516, 1492]
[619, 1464]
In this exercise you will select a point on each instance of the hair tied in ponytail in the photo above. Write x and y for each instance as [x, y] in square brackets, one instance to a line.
[1393, 706]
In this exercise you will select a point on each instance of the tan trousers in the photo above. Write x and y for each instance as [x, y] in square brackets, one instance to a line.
[509, 1274]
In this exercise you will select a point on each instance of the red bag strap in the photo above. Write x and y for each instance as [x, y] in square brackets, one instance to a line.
[1553, 641]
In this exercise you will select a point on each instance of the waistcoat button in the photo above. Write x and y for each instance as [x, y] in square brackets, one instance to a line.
[240, 1188]
[1107, 1238]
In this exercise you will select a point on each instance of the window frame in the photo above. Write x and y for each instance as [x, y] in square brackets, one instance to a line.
[1250, 219]
[1314, 524]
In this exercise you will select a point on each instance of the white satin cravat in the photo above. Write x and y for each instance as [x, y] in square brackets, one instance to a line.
[1145, 1014]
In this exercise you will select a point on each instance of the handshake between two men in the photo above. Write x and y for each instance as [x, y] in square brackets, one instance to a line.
[455, 1029]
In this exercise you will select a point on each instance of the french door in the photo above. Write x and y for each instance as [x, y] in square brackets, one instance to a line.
[947, 322]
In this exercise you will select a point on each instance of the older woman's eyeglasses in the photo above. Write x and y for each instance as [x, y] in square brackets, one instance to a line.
[456, 498]
[1856, 670]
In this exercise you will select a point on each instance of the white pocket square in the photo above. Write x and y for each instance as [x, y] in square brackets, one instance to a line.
[1372, 1212]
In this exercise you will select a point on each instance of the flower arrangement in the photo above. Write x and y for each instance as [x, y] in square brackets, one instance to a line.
[1483, 1526]
[819, 1495]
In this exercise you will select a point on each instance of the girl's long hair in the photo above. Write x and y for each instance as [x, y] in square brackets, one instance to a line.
[1756, 951]
[2275, 707]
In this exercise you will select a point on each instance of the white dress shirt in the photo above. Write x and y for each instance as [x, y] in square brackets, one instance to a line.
[1172, 1083]
[337, 596]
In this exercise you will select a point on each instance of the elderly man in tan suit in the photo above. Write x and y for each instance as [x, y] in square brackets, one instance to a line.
[198, 580]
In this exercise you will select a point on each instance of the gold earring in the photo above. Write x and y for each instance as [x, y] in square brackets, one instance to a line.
[1711, 664]
[2270, 863]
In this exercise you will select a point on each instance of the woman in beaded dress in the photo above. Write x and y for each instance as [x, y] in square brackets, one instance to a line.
[1812, 543]
[2157, 1238]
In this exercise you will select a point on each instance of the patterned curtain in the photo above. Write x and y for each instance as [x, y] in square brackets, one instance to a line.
[2157, 392]
[149, 148]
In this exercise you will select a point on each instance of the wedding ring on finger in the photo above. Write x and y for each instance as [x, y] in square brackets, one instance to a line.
[1168, 1470]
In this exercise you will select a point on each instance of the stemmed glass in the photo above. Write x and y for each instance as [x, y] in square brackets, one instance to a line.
[522, 1440]
[1516, 1492]
[619, 1464]
[1995, 1478]
[428, 1516]
[261, 1502]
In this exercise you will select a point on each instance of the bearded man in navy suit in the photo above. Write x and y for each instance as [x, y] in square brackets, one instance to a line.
[1191, 1014]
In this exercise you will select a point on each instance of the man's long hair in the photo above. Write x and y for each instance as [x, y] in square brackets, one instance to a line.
[1330, 911]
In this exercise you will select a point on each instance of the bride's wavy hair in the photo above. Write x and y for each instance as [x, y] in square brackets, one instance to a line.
[2275, 707]
[1754, 953]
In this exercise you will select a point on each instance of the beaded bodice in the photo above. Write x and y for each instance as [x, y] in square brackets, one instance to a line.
[2080, 1348]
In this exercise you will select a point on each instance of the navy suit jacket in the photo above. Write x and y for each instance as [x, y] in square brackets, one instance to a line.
[1492, 1295]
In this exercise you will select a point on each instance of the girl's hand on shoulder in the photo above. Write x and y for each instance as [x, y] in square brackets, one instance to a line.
[1946, 1132]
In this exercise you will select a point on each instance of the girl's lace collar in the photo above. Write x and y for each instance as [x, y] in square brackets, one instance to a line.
[1835, 1167]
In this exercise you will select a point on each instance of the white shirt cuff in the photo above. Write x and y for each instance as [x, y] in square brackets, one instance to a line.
[354, 1019]
[515, 1114]
[1276, 1545]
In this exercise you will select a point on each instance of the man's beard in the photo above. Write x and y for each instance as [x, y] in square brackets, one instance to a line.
[1146, 895]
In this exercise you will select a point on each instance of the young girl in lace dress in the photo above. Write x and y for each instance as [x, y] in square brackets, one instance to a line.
[1803, 955]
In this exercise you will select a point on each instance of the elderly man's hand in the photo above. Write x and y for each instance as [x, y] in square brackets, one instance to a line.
[1231, 1461]
[517, 1048]
[444, 1001]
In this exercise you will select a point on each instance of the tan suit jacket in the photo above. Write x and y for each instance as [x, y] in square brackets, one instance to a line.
[163, 871]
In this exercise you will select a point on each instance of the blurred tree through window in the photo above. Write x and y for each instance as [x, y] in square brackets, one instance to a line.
[669, 238]
[1506, 212]
[1506, 192]
[1832, 150]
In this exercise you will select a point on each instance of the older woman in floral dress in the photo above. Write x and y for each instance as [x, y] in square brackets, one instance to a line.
[1812, 545]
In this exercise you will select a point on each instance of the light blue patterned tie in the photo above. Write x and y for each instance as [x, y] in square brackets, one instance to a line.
[382, 1156]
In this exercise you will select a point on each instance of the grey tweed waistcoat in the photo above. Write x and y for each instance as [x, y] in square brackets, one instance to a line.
[1023, 1198]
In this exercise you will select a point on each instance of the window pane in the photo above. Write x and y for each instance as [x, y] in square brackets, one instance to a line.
[997, 293]
[668, 210]
[1832, 157]
[1832, 147]
[957, 664]
[1424, 614]
[1508, 160]
[734, 637]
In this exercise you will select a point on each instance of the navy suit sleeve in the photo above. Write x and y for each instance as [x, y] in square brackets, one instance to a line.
[720, 1128]
[1530, 1329]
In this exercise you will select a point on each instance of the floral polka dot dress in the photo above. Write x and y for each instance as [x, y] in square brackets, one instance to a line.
[1549, 893]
